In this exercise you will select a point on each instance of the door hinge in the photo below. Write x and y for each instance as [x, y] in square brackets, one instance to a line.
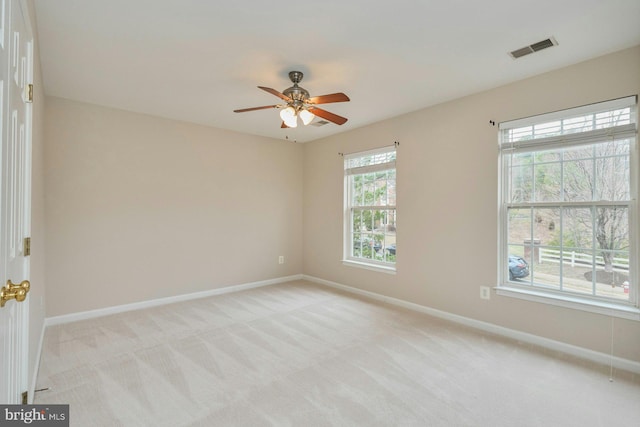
[25, 397]
[30, 92]
[27, 246]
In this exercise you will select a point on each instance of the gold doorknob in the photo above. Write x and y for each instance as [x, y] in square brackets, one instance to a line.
[14, 291]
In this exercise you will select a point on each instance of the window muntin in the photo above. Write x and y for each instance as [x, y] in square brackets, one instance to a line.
[370, 207]
[606, 115]
[567, 199]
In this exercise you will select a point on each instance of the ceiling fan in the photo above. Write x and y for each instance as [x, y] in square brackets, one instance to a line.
[300, 104]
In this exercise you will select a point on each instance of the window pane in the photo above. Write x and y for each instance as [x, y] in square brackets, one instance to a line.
[357, 195]
[578, 124]
[367, 247]
[612, 178]
[577, 271]
[518, 265]
[374, 231]
[612, 228]
[369, 189]
[363, 245]
[380, 191]
[521, 183]
[578, 180]
[547, 182]
[520, 134]
[389, 248]
[356, 220]
[377, 242]
[391, 187]
[367, 221]
[517, 250]
[613, 118]
[544, 250]
[391, 221]
[373, 189]
[545, 271]
[544, 130]
[579, 152]
[357, 245]
[521, 159]
[612, 275]
[378, 220]
[370, 159]
[519, 226]
[577, 229]
[619, 147]
[548, 156]
[546, 230]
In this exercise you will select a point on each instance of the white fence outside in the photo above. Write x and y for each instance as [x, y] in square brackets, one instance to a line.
[579, 259]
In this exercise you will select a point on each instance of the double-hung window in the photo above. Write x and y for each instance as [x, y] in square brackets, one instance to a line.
[370, 209]
[568, 207]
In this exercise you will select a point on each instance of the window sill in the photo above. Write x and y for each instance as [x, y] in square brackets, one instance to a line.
[372, 267]
[601, 307]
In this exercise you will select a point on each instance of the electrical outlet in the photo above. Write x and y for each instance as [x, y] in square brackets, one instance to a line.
[281, 259]
[485, 292]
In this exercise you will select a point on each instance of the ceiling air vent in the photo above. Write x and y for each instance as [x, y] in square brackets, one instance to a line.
[543, 44]
[319, 123]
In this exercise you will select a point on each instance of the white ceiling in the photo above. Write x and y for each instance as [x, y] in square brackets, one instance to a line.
[198, 60]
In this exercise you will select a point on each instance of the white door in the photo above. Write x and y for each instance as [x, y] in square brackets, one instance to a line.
[16, 49]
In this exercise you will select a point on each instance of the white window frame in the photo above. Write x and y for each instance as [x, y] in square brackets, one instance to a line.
[608, 306]
[349, 172]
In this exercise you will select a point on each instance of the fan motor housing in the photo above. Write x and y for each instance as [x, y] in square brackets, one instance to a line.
[297, 93]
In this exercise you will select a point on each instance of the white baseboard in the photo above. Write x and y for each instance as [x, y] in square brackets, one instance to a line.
[90, 314]
[594, 356]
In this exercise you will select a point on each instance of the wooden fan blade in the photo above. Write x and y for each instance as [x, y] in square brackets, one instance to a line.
[276, 93]
[283, 126]
[339, 120]
[244, 110]
[326, 99]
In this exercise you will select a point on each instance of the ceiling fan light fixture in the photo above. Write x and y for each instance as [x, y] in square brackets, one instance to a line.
[292, 122]
[287, 113]
[288, 116]
[306, 116]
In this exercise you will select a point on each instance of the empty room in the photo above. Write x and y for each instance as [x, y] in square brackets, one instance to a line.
[201, 204]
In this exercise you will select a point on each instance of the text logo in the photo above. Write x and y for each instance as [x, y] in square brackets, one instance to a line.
[34, 415]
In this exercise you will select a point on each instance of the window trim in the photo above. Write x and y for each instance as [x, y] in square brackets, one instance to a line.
[369, 266]
[607, 308]
[624, 309]
[347, 258]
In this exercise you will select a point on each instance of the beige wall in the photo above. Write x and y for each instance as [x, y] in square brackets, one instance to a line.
[447, 168]
[140, 207]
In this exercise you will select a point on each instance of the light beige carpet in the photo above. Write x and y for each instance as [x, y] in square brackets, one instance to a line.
[298, 354]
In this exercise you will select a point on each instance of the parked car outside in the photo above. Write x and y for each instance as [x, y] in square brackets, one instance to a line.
[518, 267]
[391, 249]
